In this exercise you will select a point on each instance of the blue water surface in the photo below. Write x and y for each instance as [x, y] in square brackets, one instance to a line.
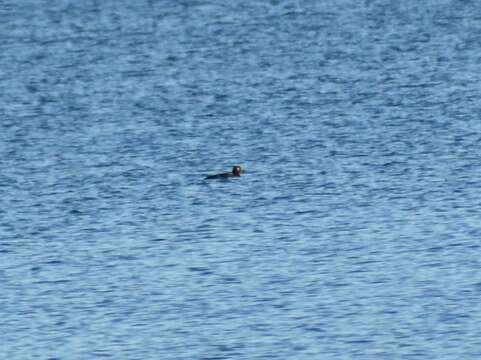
[353, 234]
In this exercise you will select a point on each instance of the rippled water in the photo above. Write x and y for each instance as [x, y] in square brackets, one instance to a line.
[354, 233]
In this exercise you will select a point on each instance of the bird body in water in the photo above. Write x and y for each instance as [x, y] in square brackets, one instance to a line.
[236, 171]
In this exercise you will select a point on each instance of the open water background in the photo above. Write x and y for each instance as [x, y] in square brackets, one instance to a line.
[354, 234]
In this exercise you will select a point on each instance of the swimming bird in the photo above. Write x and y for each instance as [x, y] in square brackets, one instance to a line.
[236, 171]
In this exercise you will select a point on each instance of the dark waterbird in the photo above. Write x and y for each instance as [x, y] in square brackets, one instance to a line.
[236, 171]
